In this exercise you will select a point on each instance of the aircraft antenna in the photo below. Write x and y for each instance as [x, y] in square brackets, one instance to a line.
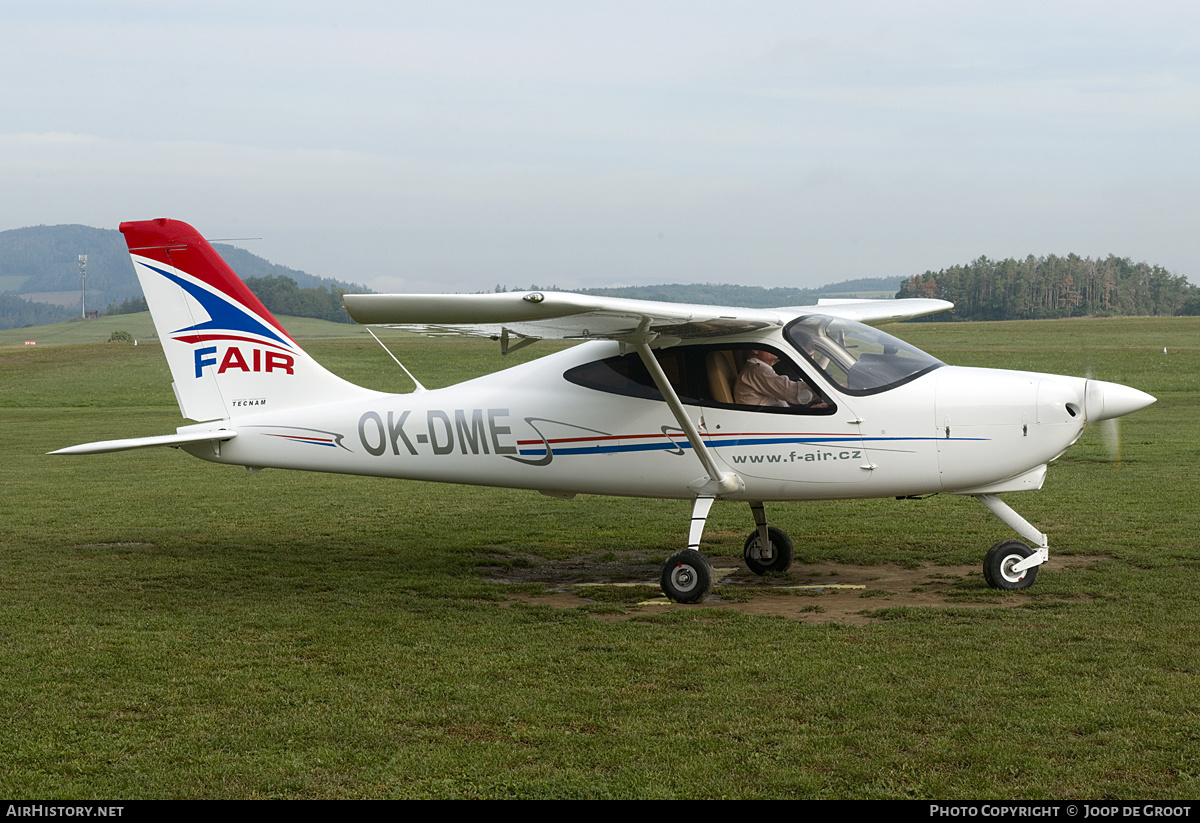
[416, 382]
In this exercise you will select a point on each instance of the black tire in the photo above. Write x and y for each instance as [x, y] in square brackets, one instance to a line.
[687, 577]
[1000, 559]
[776, 557]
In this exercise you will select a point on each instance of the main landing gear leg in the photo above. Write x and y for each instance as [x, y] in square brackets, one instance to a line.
[767, 548]
[687, 577]
[1011, 564]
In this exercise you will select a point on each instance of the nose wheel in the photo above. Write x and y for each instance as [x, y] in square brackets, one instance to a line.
[999, 566]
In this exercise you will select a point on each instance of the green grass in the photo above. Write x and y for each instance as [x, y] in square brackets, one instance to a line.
[171, 628]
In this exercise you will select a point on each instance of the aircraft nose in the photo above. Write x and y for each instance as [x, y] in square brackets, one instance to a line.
[1103, 401]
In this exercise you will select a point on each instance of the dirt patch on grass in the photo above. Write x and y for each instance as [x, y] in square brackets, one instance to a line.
[622, 588]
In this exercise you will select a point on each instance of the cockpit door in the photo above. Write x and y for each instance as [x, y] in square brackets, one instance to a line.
[793, 444]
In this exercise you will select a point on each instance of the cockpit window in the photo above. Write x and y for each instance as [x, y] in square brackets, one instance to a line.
[709, 375]
[858, 359]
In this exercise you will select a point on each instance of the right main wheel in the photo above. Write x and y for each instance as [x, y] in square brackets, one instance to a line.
[775, 556]
[998, 566]
[687, 577]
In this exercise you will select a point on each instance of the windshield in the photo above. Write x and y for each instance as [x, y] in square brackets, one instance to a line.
[858, 359]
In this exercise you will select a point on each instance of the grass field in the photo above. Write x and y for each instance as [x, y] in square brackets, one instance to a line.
[171, 628]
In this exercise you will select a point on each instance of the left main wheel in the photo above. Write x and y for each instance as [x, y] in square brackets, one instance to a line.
[687, 577]
[775, 556]
[998, 566]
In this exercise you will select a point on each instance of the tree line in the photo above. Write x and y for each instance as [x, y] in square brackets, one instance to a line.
[16, 313]
[1052, 286]
[281, 295]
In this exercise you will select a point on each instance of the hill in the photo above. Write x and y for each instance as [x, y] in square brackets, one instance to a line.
[39, 272]
[753, 297]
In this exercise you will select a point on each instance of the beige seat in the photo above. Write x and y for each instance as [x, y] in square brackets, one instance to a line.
[721, 375]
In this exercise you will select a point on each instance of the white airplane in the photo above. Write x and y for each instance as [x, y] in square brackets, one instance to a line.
[663, 400]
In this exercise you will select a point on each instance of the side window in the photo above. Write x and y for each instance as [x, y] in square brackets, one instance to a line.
[731, 376]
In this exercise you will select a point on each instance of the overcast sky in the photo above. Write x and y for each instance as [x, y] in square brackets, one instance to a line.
[451, 146]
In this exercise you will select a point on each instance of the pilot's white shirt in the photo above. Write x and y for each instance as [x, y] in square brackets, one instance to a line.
[759, 385]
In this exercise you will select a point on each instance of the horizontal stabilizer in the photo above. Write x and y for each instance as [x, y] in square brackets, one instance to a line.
[105, 446]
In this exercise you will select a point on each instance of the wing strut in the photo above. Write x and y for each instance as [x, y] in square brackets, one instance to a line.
[416, 382]
[717, 481]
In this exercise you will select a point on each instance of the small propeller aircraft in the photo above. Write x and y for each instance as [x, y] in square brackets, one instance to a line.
[662, 400]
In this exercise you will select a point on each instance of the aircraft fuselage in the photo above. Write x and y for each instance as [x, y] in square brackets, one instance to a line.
[952, 429]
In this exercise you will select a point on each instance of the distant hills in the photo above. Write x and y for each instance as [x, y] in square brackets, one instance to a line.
[39, 281]
[39, 274]
[39, 267]
[39, 284]
[754, 297]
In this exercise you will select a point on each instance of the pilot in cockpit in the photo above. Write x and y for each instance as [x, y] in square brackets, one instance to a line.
[758, 384]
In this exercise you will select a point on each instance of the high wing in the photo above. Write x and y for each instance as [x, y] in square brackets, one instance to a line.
[877, 312]
[570, 316]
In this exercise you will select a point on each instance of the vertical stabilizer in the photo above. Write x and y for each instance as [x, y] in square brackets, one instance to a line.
[228, 355]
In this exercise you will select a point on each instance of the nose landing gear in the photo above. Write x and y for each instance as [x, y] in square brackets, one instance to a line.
[1001, 562]
[1011, 564]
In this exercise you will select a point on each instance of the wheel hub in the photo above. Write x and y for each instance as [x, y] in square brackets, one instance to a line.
[1006, 568]
[684, 577]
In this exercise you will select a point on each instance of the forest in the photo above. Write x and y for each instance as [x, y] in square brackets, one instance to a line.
[1052, 286]
[281, 295]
